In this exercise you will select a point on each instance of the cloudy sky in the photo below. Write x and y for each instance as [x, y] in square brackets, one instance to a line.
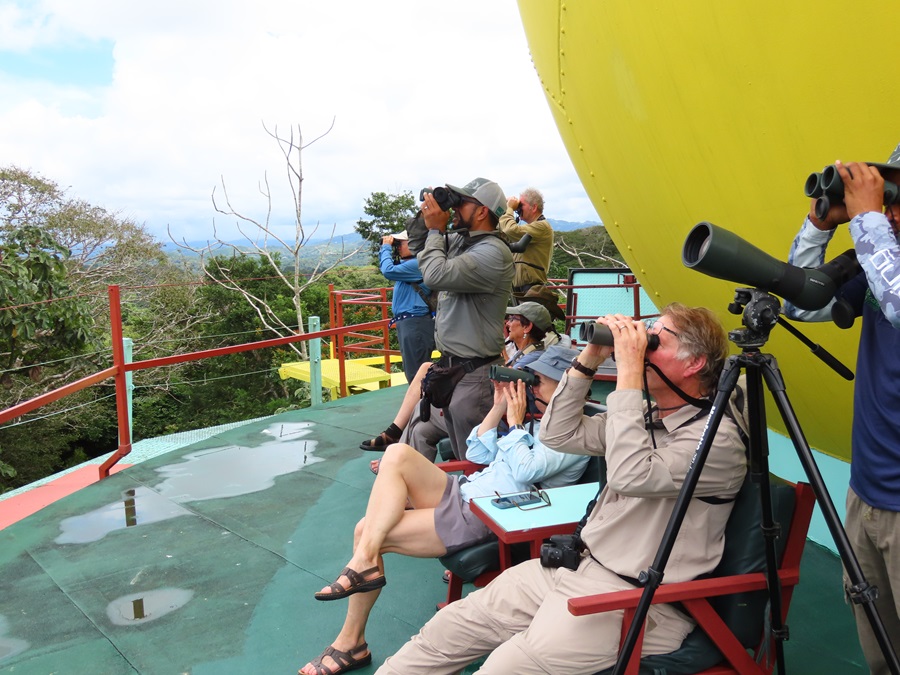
[144, 108]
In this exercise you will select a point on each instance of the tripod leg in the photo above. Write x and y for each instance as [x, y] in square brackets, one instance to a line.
[759, 473]
[861, 592]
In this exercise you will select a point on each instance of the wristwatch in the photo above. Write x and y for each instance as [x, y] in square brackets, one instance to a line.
[584, 370]
[517, 426]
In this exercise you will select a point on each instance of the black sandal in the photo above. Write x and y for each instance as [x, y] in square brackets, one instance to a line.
[344, 660]
[378, 444]
[358, 584]
[383, 440]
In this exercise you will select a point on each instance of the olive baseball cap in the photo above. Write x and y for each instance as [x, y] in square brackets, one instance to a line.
[535, 313]
[485, 191]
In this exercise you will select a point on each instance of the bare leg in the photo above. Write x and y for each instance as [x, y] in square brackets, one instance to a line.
[411, 398]
[403, 474]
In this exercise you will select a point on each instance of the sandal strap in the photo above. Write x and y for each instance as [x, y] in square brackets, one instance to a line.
[341, 658]
[355, 578]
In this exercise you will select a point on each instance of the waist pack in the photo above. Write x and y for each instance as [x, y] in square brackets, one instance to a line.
[440, 381]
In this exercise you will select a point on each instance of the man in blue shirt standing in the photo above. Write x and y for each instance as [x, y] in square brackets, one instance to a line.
[873, 498]
[413, 315]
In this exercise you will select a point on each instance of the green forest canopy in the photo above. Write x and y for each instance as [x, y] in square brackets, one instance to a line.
[55, 247]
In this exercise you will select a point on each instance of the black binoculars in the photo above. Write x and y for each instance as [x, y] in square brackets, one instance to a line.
[446, 198]
[503, 374]
[598, 334]
[827, 189]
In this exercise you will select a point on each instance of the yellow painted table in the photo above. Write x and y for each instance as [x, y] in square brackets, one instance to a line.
[357, 374]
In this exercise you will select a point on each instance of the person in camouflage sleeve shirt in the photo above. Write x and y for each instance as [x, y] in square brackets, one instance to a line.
[873, 498]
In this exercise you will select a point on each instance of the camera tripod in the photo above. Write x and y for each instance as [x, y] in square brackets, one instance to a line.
[760, 314]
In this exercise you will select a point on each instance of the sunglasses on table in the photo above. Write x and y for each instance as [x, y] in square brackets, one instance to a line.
[524, 501]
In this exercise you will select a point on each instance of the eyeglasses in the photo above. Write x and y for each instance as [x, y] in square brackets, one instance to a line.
[515, 317]
[527, 501]
[651, 323]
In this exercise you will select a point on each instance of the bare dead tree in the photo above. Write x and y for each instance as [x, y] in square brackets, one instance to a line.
[581, 255]
[263, 240]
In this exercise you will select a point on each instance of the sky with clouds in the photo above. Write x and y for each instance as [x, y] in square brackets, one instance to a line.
[144, 108]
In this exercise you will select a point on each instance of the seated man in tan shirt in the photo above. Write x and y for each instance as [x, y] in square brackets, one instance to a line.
[521, 619]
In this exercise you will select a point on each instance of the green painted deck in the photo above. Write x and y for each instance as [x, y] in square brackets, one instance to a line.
[226, 541]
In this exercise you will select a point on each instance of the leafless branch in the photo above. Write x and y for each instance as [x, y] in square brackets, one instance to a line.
[261, 237]
[580, 255]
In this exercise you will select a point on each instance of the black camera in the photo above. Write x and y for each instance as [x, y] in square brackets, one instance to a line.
[502, 374]
[447, 199]
[562, 550]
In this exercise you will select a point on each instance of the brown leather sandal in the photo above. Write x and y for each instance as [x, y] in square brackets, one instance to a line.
[344, 660]
[358, 584]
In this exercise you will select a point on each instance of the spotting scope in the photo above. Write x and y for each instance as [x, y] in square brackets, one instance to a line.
[724, 255]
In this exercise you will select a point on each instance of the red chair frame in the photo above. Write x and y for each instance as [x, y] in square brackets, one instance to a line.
[693, 595]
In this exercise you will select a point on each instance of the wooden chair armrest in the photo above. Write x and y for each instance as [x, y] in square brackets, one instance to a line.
[686, 590]
[463, 465]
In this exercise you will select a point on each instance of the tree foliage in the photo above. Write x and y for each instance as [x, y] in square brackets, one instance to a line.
[58, 256]
[389, 213]
[40, 319]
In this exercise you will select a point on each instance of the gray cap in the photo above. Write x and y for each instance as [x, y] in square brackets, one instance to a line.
[401, 236]
[555, 360]
[893, 163]
[485, 191]
[535, 313]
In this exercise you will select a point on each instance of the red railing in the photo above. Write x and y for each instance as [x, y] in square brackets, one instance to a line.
[338, 302]
[120, 368]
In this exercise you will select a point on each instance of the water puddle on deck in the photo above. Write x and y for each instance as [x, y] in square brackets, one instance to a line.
[212, 473]
[138, 608]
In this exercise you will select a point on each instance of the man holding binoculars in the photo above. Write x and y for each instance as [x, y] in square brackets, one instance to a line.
[873, 498]
[522, 615]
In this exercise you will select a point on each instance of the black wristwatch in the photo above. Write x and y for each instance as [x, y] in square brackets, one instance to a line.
[583, 369]
[517, 426]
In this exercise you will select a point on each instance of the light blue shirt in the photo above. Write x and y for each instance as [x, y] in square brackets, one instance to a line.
[516, 462]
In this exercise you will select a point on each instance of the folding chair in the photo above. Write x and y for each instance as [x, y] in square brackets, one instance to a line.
[730, 606]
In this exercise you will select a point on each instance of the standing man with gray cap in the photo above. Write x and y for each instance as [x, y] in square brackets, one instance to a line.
[873, 497]
[472, 271]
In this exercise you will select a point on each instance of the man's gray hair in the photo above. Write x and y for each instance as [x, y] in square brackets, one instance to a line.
[700, 333]
[534, 197]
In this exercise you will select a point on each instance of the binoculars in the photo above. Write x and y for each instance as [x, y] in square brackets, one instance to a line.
[827, 189]
[447, 199]
[503, 374]
[598, 334]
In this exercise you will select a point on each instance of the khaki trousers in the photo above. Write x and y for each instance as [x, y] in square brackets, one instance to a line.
[522, 620]
[874, 535]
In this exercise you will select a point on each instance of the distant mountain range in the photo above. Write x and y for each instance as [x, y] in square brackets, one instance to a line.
[352, 240]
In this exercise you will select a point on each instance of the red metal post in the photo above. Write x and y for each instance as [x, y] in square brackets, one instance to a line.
[115, 322]
[386, 333]
[339, 341]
